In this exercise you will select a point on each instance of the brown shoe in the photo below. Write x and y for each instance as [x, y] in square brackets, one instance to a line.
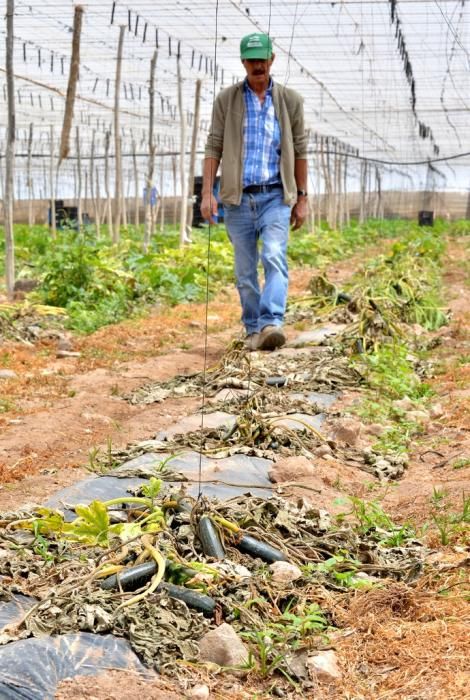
[270, 338]
[251, 342]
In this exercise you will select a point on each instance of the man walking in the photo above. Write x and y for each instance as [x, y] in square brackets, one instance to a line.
[258, 133]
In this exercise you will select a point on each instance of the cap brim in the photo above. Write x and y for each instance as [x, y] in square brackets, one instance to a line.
[261, 54]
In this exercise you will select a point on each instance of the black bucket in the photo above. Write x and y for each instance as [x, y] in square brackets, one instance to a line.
[426, 218]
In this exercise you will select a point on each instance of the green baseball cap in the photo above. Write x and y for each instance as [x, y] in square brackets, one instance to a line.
[256, 46]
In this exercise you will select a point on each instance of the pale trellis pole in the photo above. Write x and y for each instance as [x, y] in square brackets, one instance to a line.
[109, 208]
[29, 178]
[10, 157]
[98, 194]
[192, 160]
[79, 176]
[151, 159]
[363, 182]
[117, 139]
[94, 196]
[175, 201]
[183, 179]
[136, 185]
[72, 84]
[345, 191]
[162, 198]
[124, 193]
[51, 183]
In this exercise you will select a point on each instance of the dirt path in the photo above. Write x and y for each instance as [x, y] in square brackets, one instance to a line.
[64, 409]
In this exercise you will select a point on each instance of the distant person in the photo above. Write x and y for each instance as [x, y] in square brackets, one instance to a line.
[153, 196]
[257, 131]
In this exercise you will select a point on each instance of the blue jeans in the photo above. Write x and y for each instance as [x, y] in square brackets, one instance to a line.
[260, 216]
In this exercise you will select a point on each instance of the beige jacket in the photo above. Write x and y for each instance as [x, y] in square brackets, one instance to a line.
[225, 140]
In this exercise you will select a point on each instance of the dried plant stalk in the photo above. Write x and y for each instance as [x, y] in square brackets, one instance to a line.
[72, 84]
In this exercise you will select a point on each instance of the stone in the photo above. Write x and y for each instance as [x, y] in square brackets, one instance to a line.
[291, 469]
[436, 411]
[276, 381]
[199, 692]
[417, 416]
[405, 404]
[222, 646]
[64, 343]
[34, 330]
[7, 374]
[285, 572]
[376, 429]
[66, 353]
[297, 665]
[347, 431]
[317, 335]
[324, 666]
[322, 450]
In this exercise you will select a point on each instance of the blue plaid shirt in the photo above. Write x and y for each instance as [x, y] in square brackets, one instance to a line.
[262, 140]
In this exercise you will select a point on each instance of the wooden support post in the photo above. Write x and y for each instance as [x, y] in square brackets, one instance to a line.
[175, 202]
[339, 190]
[162, 198]
[10, 156]
[109, 207]
[124, 195]
[72, 83]
[79, 177]
[192, 160]
[98, 200]
[149, 223]
[29, 177]
[363, 176]
[85, 198]
[136, 186]
[117, 139]
[51, 184]
[345, 191]
[94, 198]
[183, 180]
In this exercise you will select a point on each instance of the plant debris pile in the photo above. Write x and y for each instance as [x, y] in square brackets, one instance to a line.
[324, 370]
[30, 322]
[388, 294]
[160, 569]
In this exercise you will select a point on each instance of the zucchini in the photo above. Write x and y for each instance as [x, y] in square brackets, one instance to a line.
[199, 601]
[210, 539]
[256, 548]
[131, 579]
[136, 576]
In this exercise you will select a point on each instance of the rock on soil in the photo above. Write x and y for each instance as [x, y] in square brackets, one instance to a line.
[347, 431]
[284, 572]
[290, 469]
[7, 374]
[324, 666]
[223, 646]
[436, 411]
[199, 692]
[417, 416]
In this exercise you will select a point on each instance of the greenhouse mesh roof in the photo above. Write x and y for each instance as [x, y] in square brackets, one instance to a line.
[390, 78]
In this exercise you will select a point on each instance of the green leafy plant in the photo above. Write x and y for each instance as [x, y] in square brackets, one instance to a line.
[272, 644]
[461, 463]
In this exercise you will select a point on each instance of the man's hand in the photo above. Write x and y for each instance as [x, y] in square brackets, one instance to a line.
[209, 208]
[299, 213]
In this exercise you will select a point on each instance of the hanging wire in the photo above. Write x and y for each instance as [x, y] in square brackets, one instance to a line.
[208, 271]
